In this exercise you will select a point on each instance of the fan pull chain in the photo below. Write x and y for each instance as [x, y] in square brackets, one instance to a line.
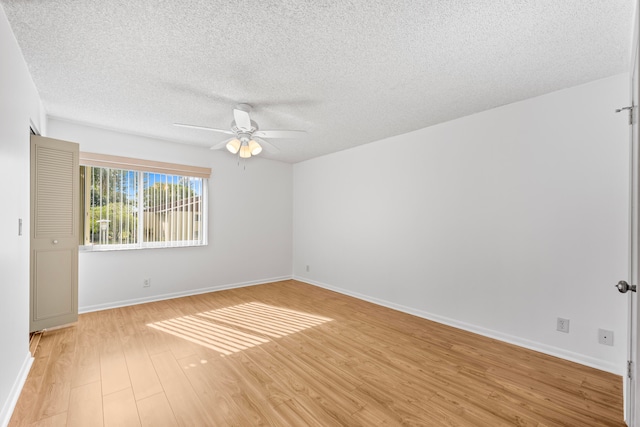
[244, 162]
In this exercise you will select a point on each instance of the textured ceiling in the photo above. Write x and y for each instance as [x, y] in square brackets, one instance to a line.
[348, 72]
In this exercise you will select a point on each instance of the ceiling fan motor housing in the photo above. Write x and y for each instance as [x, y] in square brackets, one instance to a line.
[237, 130]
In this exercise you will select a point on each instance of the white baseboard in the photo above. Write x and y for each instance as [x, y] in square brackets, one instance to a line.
[14, 394]
[511, 339]
[135, 301]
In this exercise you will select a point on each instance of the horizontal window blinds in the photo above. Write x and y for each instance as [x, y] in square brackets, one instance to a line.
[127, 163]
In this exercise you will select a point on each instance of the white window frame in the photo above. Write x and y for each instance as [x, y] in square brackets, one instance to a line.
[146, 166]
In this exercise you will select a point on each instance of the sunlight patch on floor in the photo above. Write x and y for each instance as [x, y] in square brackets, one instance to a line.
[216, 337]
[266, 319]
[205, 329]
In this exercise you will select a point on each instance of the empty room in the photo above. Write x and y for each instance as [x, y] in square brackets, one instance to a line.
[292, 213]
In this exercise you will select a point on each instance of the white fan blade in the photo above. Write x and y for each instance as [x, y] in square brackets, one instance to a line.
[241, 116]
[227, 131]
[280, 133]
[267, 145]
[222, 144]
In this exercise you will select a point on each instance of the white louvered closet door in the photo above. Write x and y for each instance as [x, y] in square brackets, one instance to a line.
[54, 232]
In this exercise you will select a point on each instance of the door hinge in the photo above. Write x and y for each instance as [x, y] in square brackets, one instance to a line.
[630, 110]
[629, 366]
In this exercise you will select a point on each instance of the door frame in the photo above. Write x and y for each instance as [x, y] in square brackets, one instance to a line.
[631, 391]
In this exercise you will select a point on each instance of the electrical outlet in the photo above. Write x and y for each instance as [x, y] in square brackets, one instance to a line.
[563, 325]
[147, 283]
[307, 268]
[605, 337]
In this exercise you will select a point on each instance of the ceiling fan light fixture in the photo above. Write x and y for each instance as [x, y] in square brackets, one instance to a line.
[245, 152]
[234, 145]
[254, 147]
[243, 130]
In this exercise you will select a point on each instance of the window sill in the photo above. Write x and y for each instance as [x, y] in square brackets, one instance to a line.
[159, 245]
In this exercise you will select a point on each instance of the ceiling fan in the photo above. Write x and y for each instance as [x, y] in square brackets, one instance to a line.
[247, 139]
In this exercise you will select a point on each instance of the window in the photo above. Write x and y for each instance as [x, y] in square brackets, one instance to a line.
[134, 208]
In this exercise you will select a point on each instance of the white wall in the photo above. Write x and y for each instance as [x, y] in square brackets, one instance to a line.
[250, 226]
[20, 108]
[498, 222]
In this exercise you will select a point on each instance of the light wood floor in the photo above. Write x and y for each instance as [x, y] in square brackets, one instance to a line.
[290, 354]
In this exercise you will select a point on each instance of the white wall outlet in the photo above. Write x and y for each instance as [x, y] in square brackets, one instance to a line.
[146, 283]
[307, 268]
[563, 325]
[605, 337]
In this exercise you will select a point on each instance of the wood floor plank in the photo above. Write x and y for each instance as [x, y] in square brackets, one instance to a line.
[120, 409]
[310, 383]
[86, 366]
[155, 411]
[185, 403]
[446, 407]
[24, 413]
[155, 341]
[142, 374]
[254, 393]
[399, 411]
[59, 420]
[214, 390]
[114, 373]
[85, 405]
[294, 413]
[56, 382]
[316, 358]
[372, 416]
[46, 343]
